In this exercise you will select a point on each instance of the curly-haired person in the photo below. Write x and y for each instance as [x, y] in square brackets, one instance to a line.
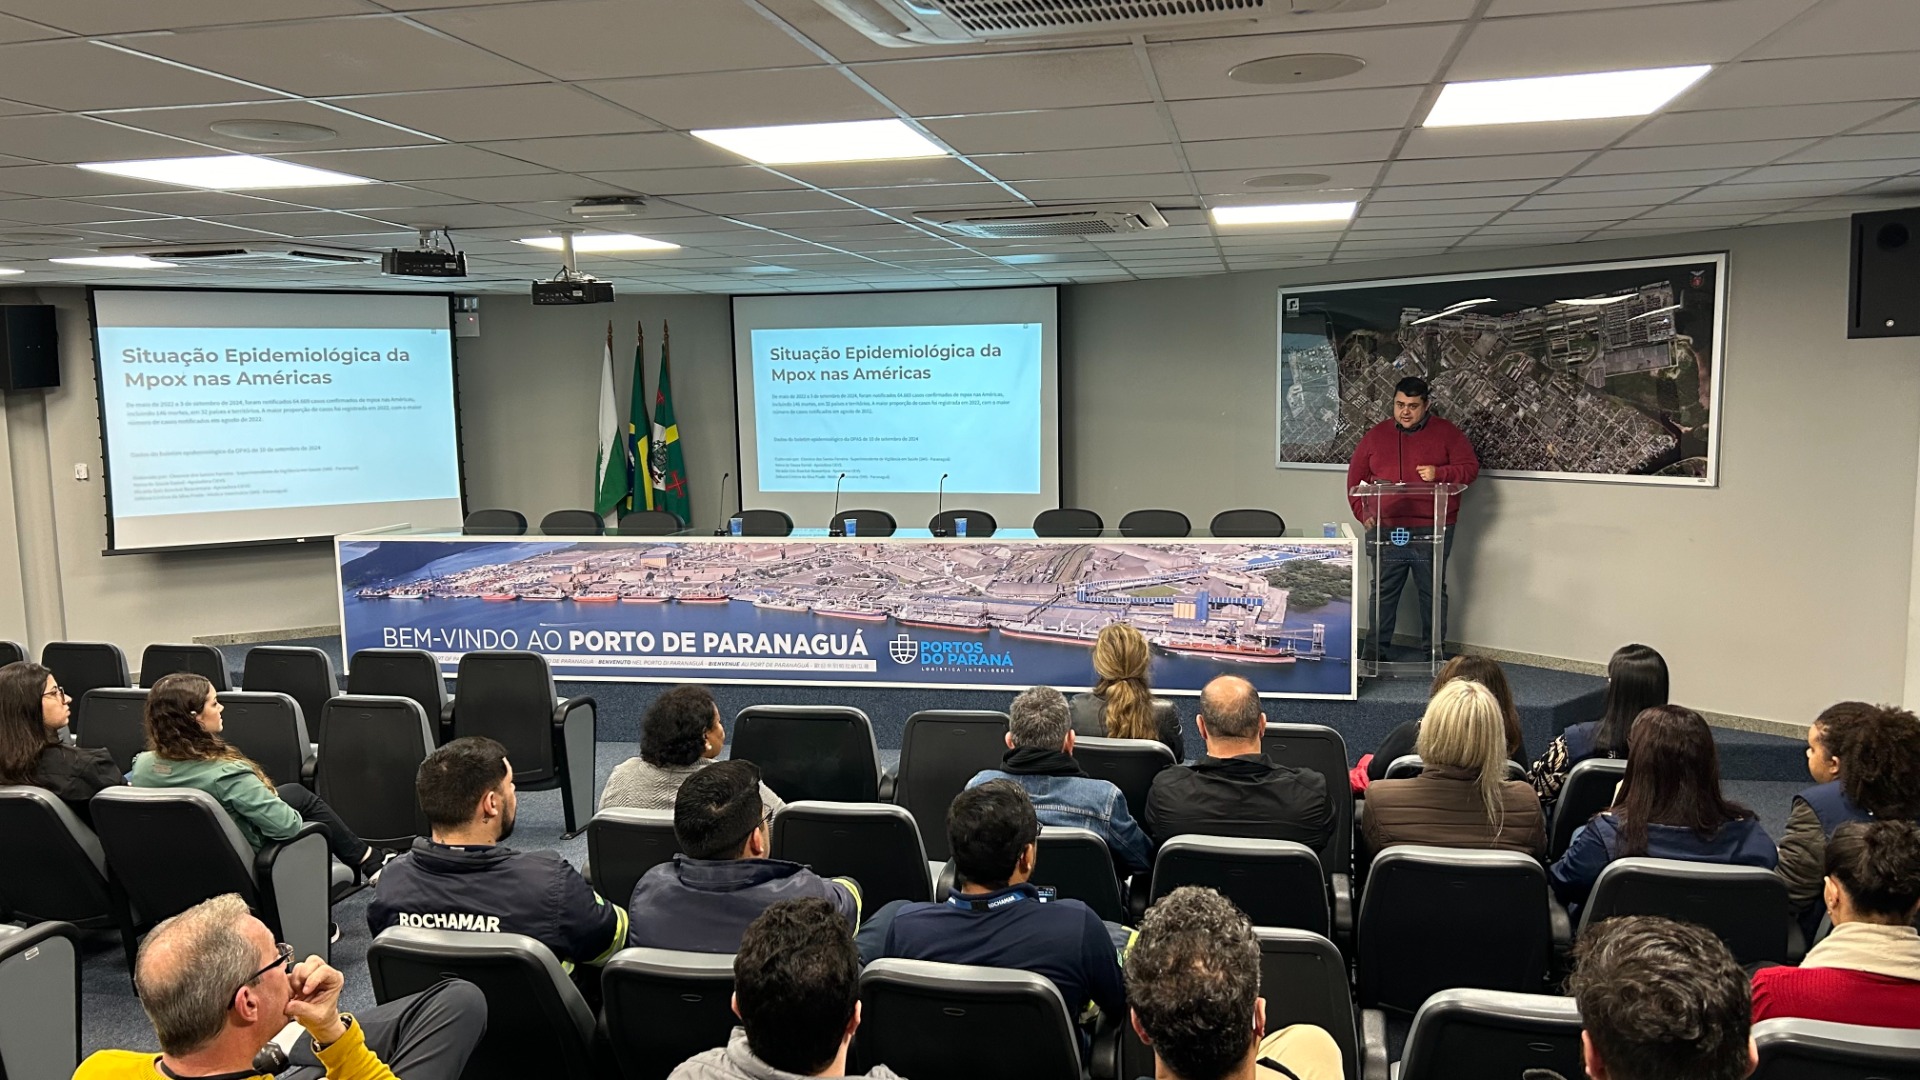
[1865, 763]
[1661, 999]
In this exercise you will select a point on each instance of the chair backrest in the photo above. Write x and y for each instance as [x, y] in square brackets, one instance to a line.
[508, 696]
[623, 844]
[408, 673]
[819, 752]
[765, 523]
[1588, 790]
[940, 750]
[1077, 864]
[1745, 905]
[1152, 524]
[1435, 918]
[11, 652]
[934, 1021]
[876, 844]
[537, 1022]
[649, 523]
[865, 523]
[68, 878]
[979, 523]
[1321, 749]
[1249, 522]
[1068, 521]
[1408, 766]
[573, 523]
[663, 1007]
[1304, 979]
[39, 1001]
[1129, 764]
[171, 848]
[270, 729]
[301, 672]
[1795, 1049]
[81, 666]
[495, 523]
[113, 718]
[370, 755]
[1492, 1033]
[203, 660]
[1276, 882]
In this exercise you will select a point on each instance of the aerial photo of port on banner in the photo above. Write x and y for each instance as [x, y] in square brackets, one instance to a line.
[950, 613]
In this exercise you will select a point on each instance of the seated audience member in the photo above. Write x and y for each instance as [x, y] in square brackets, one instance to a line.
[796, 990]
[1462, 797]
[1401, 740]
[1865, 762]
[33, 719]
[994, 917]
[1670, 807]
[1636, 682]
[680, 735]
[1039, 758]
[1660, 1000]
[184, 749]
[1868, 970]
[1193, 983]
[217, 989]
[466, 878]
[1121, 705]
[722, 879]
[1234, 789]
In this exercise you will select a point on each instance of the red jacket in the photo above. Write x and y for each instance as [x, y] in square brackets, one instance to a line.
[1839, 995]
[1390, 454]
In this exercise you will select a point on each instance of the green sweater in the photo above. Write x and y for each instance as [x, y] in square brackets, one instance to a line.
[254, 807]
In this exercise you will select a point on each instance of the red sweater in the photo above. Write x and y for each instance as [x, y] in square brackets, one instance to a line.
[1390, 454]
[1839, 995]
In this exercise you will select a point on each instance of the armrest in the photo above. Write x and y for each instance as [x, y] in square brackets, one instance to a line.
[1104, 1055]
[1140, 887]
[1560, 926]
[292, 877]
[888, 784]
[309, 767]
[564, 706]
[1341, 888]
[1796, 943]
[1373, 1045]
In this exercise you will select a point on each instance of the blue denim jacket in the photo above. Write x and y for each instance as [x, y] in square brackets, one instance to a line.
[1595, 844]
[1081, 802]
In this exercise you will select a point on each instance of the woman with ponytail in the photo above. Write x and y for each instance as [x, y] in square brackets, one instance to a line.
[33, 716]
[1122, 706]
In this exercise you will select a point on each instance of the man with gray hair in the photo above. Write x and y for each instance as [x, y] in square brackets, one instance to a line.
[1234, 789]
[1040, 759]
[218, 989]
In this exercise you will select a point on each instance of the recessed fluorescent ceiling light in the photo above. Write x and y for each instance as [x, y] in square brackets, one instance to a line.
[1561, 97]
[1283, 213]
[795, 144]
[601, 242]
[226, 172]
[126, 262]
[10, 270]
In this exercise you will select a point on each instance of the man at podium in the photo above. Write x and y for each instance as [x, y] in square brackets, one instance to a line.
[1414, 447]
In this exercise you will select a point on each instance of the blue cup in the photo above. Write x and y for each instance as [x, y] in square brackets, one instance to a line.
[850, 527]
[1329, 530]
[734, 526]
[959, 526]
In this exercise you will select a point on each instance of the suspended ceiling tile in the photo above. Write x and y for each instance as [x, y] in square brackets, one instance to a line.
[1295, 114]
[1419, 192]
[1064, 164]
[1667, 158]
[480, 114]
[768, 218]
[365, 197]
[57, 180]
[66, 212]
[1425, 142]
[1762, 83]
[1862, 148]
[930, 195]
[1747, 125]
[1638, 181]
[764, 202]
[444, 162]
[1907, 119]
[1618, 40]
[73, 75]
[1379, 207]
[1463, 170]
[1848, 28]
[725, 99]
[179, 203]
[1642, 197]
[65, 139]
[904, 173]
[1828, 170]
[1056, 79]
[509, 189]
[1286, 153]
[606, 153]
[674, 182]
[1803, 189]
[1398, 56]
[1359, 176]
[125, 16]
[612, 39]
[339, 57]
[1157, 186]
[354, 133]
[1368, 223]
[1052, 129]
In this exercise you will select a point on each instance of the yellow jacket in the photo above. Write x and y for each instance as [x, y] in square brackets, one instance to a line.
[347, 1059]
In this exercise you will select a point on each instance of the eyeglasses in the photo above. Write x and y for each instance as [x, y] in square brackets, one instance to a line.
[282, 958]
[58, 691]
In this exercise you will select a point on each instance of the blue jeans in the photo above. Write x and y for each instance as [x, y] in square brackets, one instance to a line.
[1394, 564]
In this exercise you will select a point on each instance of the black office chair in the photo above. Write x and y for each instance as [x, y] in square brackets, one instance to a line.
[1319, 748]
[1435, 918]
[1588, 790]
[1068, 521]
[765, 523]
[1275, 882]
[979, 523]
[1460, 1033]
[495, 523]
[537, 1022]
[69, 881]
[865, 523]
[650, 523]
[39, 1001]
[11, 652]
[876, 844]
[205, 661]
[370, 756]
[820, 752]
[663, 1007]
[1408, 766]
[1795, 1049]
[113, 718]
[303, 673]
[958, 1022]
[940, 750]
[1248, 523]
[1745, 905]
[81, 666]
[623, 844]
[270, 729]
[1078, 865]
[572, 523]
[408, 673]
[508, 696]
[1155, 524]
[1130, 764]
[1304, 979]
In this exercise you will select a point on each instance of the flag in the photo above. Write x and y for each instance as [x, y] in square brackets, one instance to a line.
[639, 433]
[611, 478]
[667, 461]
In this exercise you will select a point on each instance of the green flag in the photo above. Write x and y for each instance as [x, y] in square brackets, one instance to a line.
[667, 461]
[639, 432]
[611, 478]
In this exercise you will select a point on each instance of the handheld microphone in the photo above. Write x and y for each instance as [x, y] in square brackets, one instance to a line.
[939, 507]
[721, 529]
[834, 528]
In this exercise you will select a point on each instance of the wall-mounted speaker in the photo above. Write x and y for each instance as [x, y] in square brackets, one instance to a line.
[29, 347]
[1883, 280]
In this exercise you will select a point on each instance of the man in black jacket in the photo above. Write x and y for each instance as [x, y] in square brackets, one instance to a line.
[1234, 789]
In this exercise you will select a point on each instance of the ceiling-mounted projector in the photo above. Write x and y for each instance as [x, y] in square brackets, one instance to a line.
[430, 260]
[570, 286]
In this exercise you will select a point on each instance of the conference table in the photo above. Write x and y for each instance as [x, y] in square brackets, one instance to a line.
[908, 610]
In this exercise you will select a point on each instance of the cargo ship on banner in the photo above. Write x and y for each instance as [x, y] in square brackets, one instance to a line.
[703, 598]
[859, 613]
[498, 595]
[936, 620]
[408, 592]
[768, 603]
[371, 594]
[1041, 633]
[642, 596]
[596, 597]
[1228, 650]
[543, 592]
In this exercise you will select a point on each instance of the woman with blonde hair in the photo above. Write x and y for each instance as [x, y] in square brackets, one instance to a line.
[1121, 705]
[1462, 798]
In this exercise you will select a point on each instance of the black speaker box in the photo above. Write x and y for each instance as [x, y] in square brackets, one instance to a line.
[1883, 280]
[29, 347]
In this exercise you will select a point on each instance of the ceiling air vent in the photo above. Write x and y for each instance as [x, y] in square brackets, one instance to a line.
[250, 254]
[905, 23]
[1097, 219]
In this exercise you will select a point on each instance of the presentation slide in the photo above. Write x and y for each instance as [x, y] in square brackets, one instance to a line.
[893, 391]
[239, 417]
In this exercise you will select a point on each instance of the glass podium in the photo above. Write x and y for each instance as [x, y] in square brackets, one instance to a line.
[1406, 540]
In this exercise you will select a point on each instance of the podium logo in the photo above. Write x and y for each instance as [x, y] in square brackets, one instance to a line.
[1400, 537]
[903, 649]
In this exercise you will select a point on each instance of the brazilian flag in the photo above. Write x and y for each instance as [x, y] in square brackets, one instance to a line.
[667, 462]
